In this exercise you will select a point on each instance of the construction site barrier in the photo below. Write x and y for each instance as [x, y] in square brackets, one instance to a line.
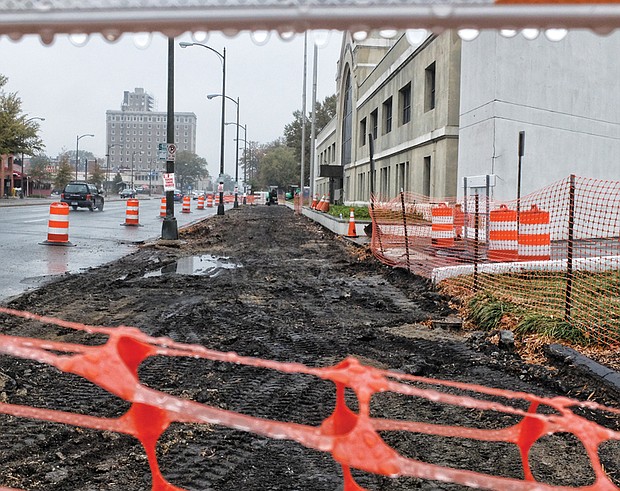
[201, 203]
[187, 204]
[209, 201]
[534, 235]
[132, 213]
[162, 208]
[352, 435]
[442, 226]
[58, 225]
[563, 267]
[503, 235]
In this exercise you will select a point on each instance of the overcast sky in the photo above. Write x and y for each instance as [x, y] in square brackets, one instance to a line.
[73, 86]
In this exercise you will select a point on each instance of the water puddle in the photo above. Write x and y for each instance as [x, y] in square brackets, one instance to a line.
[205, 265]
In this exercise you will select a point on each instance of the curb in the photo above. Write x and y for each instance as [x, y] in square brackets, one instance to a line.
[610, 378]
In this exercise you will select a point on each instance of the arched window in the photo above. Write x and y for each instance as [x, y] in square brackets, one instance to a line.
[347, 121]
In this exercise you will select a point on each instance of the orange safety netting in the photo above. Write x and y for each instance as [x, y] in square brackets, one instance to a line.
[352, 438]
[555, 253]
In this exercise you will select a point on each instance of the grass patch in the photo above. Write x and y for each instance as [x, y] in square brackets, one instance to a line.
[487, 311]
[360, 212]
[549, 326]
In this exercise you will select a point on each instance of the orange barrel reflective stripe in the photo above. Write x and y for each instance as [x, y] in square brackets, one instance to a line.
[534, 235]
[186, 205]
[442, 226]
[162, 208]
[201, 203]
[503, 235]
[132, 213]
[58, 225]
[209, 201]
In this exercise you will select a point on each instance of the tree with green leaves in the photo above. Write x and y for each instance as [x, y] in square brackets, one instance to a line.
[64, 174]
[189, 168]
[97, 175]
[117, 183]
[325, 111]
[38, 172]
[278, 168]
[18, 133]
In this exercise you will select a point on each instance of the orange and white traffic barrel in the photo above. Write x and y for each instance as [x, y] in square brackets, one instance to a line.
[209, 201]
[132, 213]
[503, 235]
[201, 203]
[58, 225]
[442, 226]
[162, 208]
[534, 235]
[186, 205]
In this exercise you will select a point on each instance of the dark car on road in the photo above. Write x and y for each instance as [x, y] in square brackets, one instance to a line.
[81, 194]
[127, 193]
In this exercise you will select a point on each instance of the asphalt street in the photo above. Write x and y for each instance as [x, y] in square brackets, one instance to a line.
[97, 238]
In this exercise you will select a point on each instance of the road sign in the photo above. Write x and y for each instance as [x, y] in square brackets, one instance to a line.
[172, 150]
[161, 151]
[168, 182]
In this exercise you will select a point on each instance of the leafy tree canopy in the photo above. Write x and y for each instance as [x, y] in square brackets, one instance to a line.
[189, 168]
[278, 168]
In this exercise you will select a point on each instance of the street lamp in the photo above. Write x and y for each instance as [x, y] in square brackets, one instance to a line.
[212, 96]
[245, 155]
[107, 178]
[220, 207]
[139, 152]
[77, 148]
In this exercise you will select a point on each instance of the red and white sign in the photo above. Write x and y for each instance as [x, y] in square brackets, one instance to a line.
[168, 182]
[220, 187]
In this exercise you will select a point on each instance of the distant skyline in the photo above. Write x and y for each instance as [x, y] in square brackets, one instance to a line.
[73, 86]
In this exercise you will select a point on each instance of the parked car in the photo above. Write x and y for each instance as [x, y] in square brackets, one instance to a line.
[127, 193]
[178, 195]
[82, 194]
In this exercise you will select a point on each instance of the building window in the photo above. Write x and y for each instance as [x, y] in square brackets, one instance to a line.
[387, 116]
[374, 123]
[426, 177]
[404, 103]
[429, 88]
[363, 132]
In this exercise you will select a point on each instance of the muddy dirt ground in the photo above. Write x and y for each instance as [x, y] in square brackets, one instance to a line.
[289, 291]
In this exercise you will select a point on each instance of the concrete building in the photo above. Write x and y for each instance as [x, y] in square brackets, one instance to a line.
[443, 109]
[134, 133]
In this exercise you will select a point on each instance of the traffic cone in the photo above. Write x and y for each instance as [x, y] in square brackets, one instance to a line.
[326, 204]
[352, 233]
[132, 213]
[186, 205]
[58, 225]
[315, 201]
[319, 206]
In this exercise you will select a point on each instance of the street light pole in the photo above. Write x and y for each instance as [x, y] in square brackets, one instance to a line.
[211, 96]
[108, 164]
[132, 156]
[222, 55]
[245, 152]
[77, 150]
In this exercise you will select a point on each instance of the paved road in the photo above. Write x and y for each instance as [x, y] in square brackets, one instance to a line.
[99, 237]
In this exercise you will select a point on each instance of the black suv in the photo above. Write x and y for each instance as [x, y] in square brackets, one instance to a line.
[81, 194]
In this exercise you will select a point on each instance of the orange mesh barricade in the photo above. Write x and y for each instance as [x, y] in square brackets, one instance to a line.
[201, 203]
[58, 225]
[186, 205]
[503, 235]
[534, 235]
[132, 214]
[442, 226]
[459, 221]
[162, 208]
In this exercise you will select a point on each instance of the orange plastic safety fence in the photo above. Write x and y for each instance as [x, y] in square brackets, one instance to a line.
[555, 253]
[352, 438]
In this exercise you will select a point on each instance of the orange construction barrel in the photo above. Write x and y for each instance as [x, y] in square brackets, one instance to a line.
[442, 226]
[503, 235]
[534, 235]
[58, 225]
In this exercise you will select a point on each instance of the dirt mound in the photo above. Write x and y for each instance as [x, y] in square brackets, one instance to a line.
[270, 284]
